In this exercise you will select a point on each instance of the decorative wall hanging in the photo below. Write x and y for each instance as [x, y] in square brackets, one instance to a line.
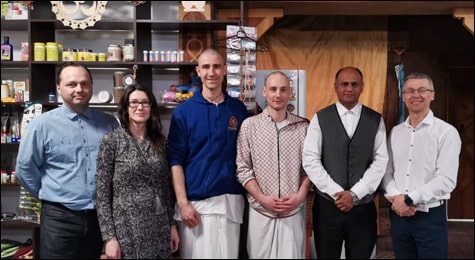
[194, 42]
[81, 14]
[241, 62]
[136, 3]
[194, 6]
[194, 10]
[194, 46]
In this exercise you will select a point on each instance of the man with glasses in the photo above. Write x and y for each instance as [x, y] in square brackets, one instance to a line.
[422, 172]
[345, 157]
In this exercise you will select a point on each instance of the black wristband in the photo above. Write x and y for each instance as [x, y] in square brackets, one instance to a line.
[408, 201]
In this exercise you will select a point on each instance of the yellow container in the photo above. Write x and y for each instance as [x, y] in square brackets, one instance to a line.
[83, 55]
[70, 55]
[39, 51]
[60, 51]
[92, 56]
[52, 53]
[101, 56]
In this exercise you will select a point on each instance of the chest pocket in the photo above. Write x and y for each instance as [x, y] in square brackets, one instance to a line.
[62, 150]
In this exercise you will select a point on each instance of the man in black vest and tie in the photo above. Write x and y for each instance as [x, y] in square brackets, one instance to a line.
[345, 156]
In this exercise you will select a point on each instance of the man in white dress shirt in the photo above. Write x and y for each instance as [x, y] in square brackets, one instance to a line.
[345, 156]
[422, 172]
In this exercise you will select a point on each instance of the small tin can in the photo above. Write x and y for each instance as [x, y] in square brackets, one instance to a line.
[101, 56]
[83, 55]
[68, 55]
[92, 56]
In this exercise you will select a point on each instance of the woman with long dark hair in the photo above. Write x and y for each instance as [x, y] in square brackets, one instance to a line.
[134, 191]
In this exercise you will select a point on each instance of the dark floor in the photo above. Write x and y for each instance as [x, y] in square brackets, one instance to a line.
[460, 242]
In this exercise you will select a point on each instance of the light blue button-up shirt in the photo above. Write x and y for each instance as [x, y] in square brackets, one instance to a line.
[56, 160]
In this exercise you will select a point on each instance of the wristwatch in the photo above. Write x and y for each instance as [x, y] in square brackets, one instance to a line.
[408, 201]
[354, 197]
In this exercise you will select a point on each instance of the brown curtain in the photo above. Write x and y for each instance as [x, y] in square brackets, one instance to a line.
[321, 52]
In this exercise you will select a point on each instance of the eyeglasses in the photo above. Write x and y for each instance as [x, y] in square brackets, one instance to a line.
[421, 91]
[135, 104]
[353, 84]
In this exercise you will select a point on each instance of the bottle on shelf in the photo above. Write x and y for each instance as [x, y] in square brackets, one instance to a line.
[52, 97]
[128, 50]
[5, 90]
[11, 89]
[4, 176]
[6, 128]
[7, 49]
[4, 131]
[13, 176]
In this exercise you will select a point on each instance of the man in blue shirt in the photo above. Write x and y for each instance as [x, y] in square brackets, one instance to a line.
[202, 154]
[56, 163]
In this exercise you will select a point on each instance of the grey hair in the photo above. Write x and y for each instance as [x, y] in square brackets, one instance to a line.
[420, 75]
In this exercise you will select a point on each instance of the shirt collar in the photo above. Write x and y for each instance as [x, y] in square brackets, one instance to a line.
[270, 118]
[72, 115]
[343, 110]
[428, 120]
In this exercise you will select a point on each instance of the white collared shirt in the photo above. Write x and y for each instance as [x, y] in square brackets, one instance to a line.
[349, 118]
[312, 155]
[423, 160]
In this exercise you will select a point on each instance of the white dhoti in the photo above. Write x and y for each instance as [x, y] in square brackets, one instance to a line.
[217, 234]
[276, 238]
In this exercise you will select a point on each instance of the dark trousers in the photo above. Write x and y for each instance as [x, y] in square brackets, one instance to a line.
[422, 236]
[331, 226]
[68, 234]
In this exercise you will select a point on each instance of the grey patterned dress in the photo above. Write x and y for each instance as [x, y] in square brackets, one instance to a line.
[130, 178]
